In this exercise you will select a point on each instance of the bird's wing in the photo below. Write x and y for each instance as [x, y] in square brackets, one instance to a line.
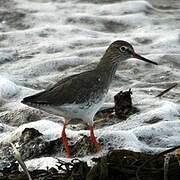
[49, 88]
[73, 89]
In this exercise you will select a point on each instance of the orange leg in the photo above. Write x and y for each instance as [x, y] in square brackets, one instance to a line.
[65, 141]
[93, 139]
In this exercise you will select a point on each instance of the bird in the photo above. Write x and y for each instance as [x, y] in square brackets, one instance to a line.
[81, 95]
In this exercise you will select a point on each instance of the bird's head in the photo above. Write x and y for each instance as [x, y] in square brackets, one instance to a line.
[122, 50]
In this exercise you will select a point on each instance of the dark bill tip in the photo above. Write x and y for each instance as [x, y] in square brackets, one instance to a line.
[137, 56]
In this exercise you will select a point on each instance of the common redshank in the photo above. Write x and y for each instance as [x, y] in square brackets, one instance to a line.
[82, 95]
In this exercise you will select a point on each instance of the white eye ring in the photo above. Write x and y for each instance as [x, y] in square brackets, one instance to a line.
[123, 49]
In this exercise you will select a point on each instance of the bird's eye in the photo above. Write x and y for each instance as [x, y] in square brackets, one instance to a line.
[123, 49]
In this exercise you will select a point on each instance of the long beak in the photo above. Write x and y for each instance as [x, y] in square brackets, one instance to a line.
[137, 56]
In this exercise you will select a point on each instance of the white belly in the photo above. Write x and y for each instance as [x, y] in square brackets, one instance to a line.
[86, 112]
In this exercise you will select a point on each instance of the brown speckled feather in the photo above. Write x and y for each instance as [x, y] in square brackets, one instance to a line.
[73, 89]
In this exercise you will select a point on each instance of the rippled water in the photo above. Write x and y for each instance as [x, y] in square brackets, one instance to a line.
[43, 41]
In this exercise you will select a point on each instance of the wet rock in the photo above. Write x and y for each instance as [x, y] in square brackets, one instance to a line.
[21, 116]
[123, 104]
[81, 125]
[84, 147]
[106, 121]
[121, 111]
[29, 134]
[75, 170]
[129, 165]
[104, 113]
[153, 120]
[32, 145]
[80, 170]
[117, 164]
[7, 160]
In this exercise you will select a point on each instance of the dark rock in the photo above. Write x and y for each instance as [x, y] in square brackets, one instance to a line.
[79, 171]
[7, 160]
[21, 116]
[153, 120]
[121, 111]
[104, 113]
[75, 170]
[115, 165]
[129, 165]
[123, 104]
[28, 135]
[32, 145]
[84, 147]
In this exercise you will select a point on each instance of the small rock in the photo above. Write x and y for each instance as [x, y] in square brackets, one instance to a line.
[32, 145]
[84, 147]
[123, 103]
[21, 116]
[7, 159]
[122, 110]
[153, 120]
[29, 134]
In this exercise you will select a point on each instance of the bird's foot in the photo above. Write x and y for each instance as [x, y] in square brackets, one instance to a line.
[94, 140]
[65, 142]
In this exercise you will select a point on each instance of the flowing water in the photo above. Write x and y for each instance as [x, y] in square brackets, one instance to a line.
[42, 41]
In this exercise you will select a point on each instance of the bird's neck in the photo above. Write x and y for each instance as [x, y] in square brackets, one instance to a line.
[107, 68]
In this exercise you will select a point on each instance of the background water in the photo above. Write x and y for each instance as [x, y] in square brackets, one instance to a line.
[42, 41]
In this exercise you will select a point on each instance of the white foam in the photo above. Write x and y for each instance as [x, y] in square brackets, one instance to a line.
[126, 7]
[41, 163]
[51, 130]
[43, 126]
[8, 89]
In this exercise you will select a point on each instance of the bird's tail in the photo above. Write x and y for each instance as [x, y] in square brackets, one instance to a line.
[33, 99]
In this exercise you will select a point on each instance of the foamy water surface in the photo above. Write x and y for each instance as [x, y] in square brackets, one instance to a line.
[43, 41]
